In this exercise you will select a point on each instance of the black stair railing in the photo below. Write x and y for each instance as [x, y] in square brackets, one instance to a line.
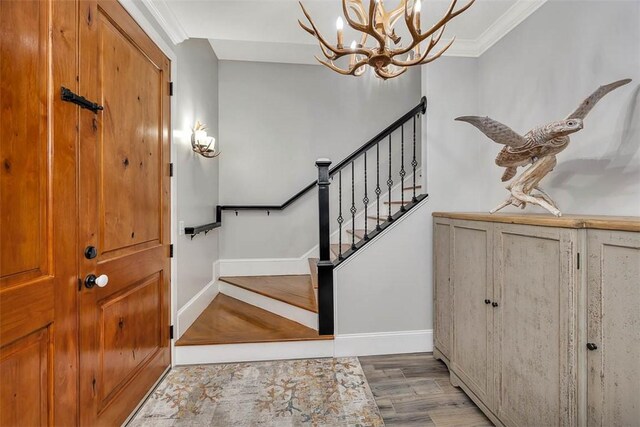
[418, 109]
[346, 166]
[325, 175]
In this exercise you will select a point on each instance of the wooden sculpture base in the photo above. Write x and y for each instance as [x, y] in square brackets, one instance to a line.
[522, 186]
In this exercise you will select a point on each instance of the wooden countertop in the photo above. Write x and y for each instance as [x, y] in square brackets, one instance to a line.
[601, 222]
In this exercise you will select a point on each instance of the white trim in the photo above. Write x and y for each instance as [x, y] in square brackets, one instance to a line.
[515, 15]
[384, 343]
[282, 309]
[167, 20]
[132, 7]
[263, 266]
[224, 353]
[195, 306]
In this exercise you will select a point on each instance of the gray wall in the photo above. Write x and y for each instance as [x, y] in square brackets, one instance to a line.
[539, 72]
[197, 177]
[542, 71]
[384, 288]
[275, 121]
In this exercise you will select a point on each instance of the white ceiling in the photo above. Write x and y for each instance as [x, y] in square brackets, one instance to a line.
[268, 31]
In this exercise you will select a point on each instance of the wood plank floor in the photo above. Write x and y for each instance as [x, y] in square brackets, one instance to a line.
[296, 290]
[414, 390]
[230, 321]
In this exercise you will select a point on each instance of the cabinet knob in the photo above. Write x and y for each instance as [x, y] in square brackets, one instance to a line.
[591, 346]
[487, 301]
[494, 304]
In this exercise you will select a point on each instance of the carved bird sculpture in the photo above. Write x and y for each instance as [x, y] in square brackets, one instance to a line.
[539, 143]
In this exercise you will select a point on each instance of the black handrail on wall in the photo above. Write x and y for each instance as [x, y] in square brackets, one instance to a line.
[420, 108]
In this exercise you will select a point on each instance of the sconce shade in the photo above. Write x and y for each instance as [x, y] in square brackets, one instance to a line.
[203, 144]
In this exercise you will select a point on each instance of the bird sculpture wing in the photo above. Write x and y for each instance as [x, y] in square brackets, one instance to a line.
[498, 132]
[596, 96]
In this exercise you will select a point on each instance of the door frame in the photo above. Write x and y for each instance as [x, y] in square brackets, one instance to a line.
[138, 16]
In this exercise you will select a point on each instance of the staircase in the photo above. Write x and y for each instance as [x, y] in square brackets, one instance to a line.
[251, 314]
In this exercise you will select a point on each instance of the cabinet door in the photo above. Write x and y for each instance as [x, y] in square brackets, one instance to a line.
[442, 319]
[535, 284]
[471, 273]
[613, 325]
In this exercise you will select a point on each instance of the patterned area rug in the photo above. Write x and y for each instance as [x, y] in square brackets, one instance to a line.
[317, 392]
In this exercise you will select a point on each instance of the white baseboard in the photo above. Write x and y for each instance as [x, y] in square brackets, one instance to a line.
[188, 313]
[384, 343]
[203, 354]
[302, 316]
[263, 266]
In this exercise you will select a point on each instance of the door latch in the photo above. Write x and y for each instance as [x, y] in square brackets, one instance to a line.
[69, 96]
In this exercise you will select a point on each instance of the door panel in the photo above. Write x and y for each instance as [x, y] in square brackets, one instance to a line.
[472, 277]
[25, 364]
[124, 197]
[442, 290]
[37, 233]
[613, 324]
[535, 333]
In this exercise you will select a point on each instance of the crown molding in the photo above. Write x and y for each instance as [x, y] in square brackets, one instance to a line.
[515, 15]
[255, 51]
[167, 20]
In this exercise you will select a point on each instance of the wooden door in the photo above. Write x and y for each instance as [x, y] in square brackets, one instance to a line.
[38, 281]
[472, 274]
[613, 325]
[442, 295]
[124, 213]
[535, 332]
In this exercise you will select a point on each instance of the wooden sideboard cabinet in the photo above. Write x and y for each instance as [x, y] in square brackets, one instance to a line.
[538, 318]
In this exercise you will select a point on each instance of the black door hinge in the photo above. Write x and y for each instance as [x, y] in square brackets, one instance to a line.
[171, 250]
[68, 96]
[578, 261]
[170, 169]
[170, 88]
[171, 332]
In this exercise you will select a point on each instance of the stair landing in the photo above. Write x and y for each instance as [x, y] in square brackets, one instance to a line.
[230, 321]
[296, 290]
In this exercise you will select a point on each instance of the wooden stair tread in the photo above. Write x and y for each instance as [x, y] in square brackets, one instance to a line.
[230, 321]
[296, 290]
[417, 187]
[397, 202]
[313, 268]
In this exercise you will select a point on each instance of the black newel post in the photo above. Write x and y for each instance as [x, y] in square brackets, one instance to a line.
[325, 266]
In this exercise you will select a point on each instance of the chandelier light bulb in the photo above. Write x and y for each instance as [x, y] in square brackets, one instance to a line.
[339, 23]
[418, 6]
[353, 45]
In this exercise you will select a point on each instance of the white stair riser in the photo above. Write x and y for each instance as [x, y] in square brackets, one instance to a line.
[288, 311]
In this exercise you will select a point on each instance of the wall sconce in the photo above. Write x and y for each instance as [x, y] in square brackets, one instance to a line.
[203, 144]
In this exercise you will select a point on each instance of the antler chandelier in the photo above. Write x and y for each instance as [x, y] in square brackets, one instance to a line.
[388, 58]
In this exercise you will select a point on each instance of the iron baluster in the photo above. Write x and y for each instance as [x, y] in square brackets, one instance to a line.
[365, 200]
[378, 191]
[353, 209]
[340, 218]
[414, 162]
[389, 181]
[402, 171]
